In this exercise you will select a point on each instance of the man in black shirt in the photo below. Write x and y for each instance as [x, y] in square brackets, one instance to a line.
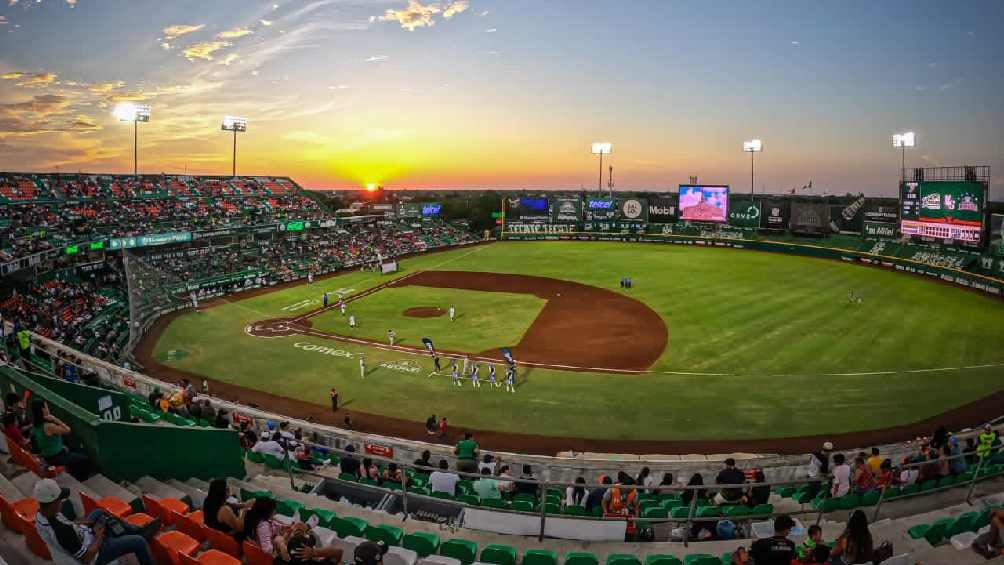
[778, 549]
[730, 476]
[595, 496]
[349, 464]
[424, 465]
[527, 488]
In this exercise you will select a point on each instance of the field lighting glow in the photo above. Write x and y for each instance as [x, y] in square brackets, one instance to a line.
[129, 112]
[753, 145]
[371, 187]
[907, 139]
[603, 148]
[233, 123]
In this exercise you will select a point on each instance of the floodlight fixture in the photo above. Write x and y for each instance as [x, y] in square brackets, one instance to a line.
[752, 147]
[236, 125]
[904, 140]
[602, 148]
[135, 113]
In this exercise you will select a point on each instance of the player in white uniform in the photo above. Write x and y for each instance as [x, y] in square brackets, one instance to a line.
[362, 366]
[352, 320]
[456, 375]
[310, 277]
[435, 365]
[453, 313]
[510, 378]
[491, 376]
[475, 381]
[391, 336]
[341, 306]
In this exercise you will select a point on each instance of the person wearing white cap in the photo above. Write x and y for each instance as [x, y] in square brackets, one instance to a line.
[98, 539]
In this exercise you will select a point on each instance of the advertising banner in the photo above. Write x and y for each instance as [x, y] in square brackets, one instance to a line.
[879, 229]
[996, 235]
[744, 214]
[409, 210]
[539, 228]
[847, 219]
[600, 209]
[566, 210]
[663, 210]
[149, 240]
[776, 213]
[876, 213]
[810, 217]
[633, 209]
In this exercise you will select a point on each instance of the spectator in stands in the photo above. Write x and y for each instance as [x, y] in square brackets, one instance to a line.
[303, 458]
[47, 433]
[370, 553]
[370, 470]
[645, 477]
[619, 501]
[577, 495]
[443, 480]
[486, 487]
[222, 514]
[13, 432]
[99, 538]
[303, 550]
[431, 425]
[667, 480]
[488, 462]
[347, 463]
[886, 477]
[467, 454]
[863, 478]
[595, 497]
[506, 484]
[527, 487]
[778, 549]
[423, 463]
[759, 493]
[940, 438]
[740, 557]
[14, 406]
[729, 476]
[270, 446]
[841, 476]
[990, 544]
[855, 544]
[261, 527]
[688, 495]
[247, 436]
[813, 539]
[875, 461]
[819, 466]
[958, 462]
[222, 420]
[393, 474]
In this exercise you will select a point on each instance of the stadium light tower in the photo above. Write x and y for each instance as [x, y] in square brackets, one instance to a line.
[135, 113]
[904, 140]
[602, 148]
[234, 124]
[752, 147]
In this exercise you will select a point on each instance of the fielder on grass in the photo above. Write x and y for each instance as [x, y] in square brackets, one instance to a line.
[324, 299]
[391, 336]
[453, 313]
[341, 306]
[362, 366]
[436, 366]
[456, 374]
[510, 378]
[475, 381]
[352, 320]
[491, 376]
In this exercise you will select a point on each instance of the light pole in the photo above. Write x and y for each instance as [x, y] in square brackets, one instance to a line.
[904, 140]
[234, 124]
[601, 148]
[752, 146]
[135, 113]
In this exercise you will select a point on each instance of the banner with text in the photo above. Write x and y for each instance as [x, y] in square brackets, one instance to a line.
[744, 214]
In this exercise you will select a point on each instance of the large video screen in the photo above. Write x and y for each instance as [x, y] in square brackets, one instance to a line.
[951, 210]
[704, 203]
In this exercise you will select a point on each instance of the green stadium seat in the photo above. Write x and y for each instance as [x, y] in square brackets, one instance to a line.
[255, 457]
[390, 535]
[465, 487]
[349, 526]
[933, 533]
[422, 543]
[849, 501]
[522, 506]
[349, 477]
[736, 511]
[469, 499]
[581, 558]
[786, 492]
[273, 462]
[827, 504]
[370, 482]
[910, 489]
[762, 510]
[701, 559]
[804, 497]
[464, 550]
[574, 511]
[596, 512]
[709, 512]
[662, 559]
[527, 497]
[622, 559]
[493, 503]
[443, 495]
[249, 494]
[655, 512]
[671, 503]
[551, 508]
[324, 517]
[288, 507]
[680, 513]
[498, 554]
[964, 523]
[928, 485]
[892, 492]
[540, 557]
[870, 498]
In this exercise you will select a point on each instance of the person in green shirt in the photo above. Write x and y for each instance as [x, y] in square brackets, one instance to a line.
[487, 487]
[467, 454]
[986, 442]
[48, 431]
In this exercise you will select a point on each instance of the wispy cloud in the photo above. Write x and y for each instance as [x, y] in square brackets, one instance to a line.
[265, 23]
[491, 30]
[106, 87]
[376, 58]
[229, 59]
[416, 14]
[171, 32]
[30, 79]
[234, 33]
[204, 50]
[796, 43]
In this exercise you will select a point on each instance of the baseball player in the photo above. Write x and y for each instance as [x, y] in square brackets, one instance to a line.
[456, 375]
[352, 321]
[453, 313]
[467, 361]
[475, 381]
[310, 277]
[324, 299]
[341, 306]
[391, 336]
[491, 376]
[510, 379]
[362, 365]
[436, 366]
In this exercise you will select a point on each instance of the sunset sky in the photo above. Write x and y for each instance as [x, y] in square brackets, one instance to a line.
[507, 93]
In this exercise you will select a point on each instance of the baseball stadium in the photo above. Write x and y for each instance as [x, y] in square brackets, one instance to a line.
[409, 324]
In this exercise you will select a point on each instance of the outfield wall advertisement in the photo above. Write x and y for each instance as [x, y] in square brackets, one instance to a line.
[997, 233]
[566, 210]
[744, 214]
[809, 217]
[775, 214]
[663, 210]
[879, 229]
[704, 203]
[946, 210]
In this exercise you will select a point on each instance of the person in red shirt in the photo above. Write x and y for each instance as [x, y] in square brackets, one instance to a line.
[443, 427]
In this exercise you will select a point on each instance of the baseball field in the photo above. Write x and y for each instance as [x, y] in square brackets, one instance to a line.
[711, 348]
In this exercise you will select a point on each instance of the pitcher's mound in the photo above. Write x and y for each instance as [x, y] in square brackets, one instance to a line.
[424, 312]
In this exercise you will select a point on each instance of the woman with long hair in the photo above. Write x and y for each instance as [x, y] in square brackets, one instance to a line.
[695, 480]
[855, 544]
[576, 496]
[220, 515]
[48, 431]
[261, 528]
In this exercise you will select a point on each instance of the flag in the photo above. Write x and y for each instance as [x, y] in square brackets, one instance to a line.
[507, 355]
[429, 346]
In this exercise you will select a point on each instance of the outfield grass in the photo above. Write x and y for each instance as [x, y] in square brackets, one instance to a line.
[771, 331]
[478, 326]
